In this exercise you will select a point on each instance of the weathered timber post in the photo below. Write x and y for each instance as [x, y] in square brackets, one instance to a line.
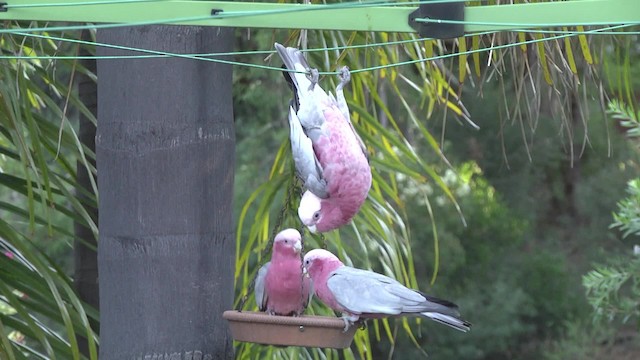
[165, 157]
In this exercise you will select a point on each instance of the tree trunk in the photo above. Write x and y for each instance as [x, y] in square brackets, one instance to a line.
[165, 151]
[85, 257]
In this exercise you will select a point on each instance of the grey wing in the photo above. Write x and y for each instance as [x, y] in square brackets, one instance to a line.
[363, 147]
[361, 291]
[307, 165]
[259, 289]
[344, 109]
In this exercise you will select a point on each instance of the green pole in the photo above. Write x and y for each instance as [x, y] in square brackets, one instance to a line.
[341, 16]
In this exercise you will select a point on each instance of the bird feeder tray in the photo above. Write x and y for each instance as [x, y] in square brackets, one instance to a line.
[306, 330]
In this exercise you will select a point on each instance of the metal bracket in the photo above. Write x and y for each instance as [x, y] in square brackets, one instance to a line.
[442, 11]
[3, 7]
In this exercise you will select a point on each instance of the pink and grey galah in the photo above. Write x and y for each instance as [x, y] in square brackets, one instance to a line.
[280, 287]
[361, 294]
[329, 155]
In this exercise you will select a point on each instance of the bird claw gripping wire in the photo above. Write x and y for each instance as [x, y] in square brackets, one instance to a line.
[345, 77]
[313, 76]
[3, 7]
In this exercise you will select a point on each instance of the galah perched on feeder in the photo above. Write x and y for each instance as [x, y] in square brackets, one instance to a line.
[365, 294]
[329, 155]
[280, 287]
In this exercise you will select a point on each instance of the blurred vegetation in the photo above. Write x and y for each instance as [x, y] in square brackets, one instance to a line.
[536, 197]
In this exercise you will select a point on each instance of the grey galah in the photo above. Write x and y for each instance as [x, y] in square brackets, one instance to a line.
[360, 293]
[280, 287]
[329, 155]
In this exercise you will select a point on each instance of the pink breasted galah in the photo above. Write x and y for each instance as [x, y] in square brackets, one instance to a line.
[361, 294]
[281, 288]
[328, 153]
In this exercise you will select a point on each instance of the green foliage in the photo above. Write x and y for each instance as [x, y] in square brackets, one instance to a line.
[512, 293]
[581, 341]
[628, 216]
[626, 117]
[42, 316]
[613, 290]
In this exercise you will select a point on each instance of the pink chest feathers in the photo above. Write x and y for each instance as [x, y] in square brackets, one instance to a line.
[284, 287]
[345, 166]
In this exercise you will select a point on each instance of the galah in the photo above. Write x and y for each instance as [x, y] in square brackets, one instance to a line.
[329, 156]
[281, 288]
[365, 294]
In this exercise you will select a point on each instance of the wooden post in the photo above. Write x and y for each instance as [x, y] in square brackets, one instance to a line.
[165, 156]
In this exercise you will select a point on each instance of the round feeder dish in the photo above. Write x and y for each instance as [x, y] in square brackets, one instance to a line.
[305, 330]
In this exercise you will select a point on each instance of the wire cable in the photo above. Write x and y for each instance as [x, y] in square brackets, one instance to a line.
[210, 57]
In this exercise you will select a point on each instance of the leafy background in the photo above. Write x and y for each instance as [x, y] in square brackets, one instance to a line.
[510, 221]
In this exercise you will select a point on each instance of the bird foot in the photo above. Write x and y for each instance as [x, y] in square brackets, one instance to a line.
[349, 320]
[347, 324]
[313, 76]
[345, 77]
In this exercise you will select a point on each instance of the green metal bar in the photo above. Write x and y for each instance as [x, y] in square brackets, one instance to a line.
[565, 13]
[236, 14]
[344, 16]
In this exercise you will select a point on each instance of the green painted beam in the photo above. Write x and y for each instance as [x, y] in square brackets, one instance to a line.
[236, 14]
[345, 16]
[565, 13]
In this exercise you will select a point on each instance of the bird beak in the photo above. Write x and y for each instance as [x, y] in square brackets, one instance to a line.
[304, 271]
[297, 247]
[312, 228]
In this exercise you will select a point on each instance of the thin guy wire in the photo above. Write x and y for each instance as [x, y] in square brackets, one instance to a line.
[199, 56]
[365, 3]
[185, 56]
[585, 32]
[203, 56]
[595, 31]
[469, 52]
[491, 23]
[79, 3]
[231, 53]
[109, 26]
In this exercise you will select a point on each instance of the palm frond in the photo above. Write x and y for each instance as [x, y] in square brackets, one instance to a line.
[38, 200]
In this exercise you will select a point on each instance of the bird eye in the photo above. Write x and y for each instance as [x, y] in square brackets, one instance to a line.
[286, 241]
[316, 215]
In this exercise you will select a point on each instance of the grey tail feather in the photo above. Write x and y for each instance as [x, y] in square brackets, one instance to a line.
[454, 322]
[290, 57]
[439, 301]
[295, 102]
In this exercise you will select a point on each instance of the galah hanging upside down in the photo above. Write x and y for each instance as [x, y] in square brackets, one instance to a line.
[365, 294]
[329, 155]
[280, 287]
